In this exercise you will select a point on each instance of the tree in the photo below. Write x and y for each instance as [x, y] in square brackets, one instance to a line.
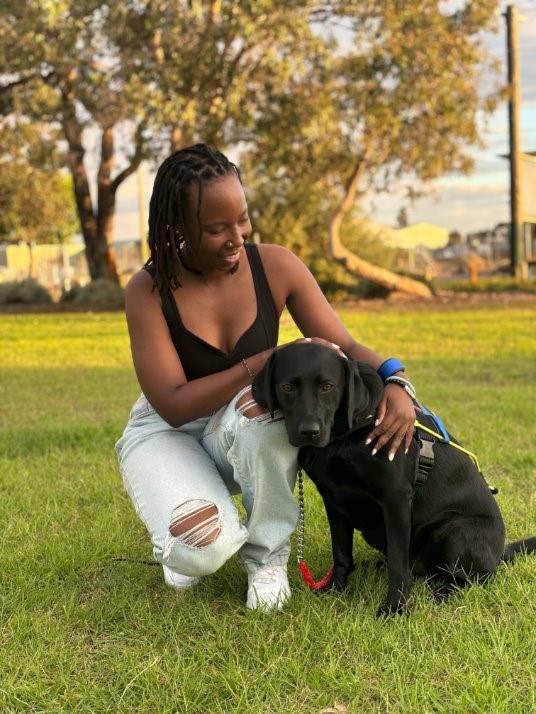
[153, 75]
[416, 94]
[36, 199]
[401, 102]
[324, 100]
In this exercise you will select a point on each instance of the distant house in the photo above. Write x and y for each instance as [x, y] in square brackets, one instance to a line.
[492, 244]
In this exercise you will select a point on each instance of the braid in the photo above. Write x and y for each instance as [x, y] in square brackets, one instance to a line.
[194, 164]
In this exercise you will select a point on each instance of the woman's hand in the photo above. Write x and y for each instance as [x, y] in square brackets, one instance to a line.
[395, 419]
[322, 341]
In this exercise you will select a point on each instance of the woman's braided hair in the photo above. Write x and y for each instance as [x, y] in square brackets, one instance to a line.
[169, 201]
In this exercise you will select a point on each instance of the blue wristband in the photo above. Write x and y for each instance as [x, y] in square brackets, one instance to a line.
[390, 367]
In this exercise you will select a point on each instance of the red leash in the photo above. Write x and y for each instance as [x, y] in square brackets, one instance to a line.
[308, 578]
[302, 565]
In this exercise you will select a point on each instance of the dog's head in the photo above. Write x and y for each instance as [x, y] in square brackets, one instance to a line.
[321, 394]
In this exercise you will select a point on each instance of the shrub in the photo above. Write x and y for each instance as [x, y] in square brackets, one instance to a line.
[27, 292]
[491, 285]
[339, 285]
[100, 292]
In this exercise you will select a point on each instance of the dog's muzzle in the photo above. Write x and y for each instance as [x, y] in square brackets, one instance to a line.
[308, 433]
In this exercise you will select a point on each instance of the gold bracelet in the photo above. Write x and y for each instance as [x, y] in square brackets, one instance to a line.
[251, 375]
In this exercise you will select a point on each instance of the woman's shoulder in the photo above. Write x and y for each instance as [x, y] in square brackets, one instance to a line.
[141, 292]
[142, 280]
[276, 255]
[287, 275]
[279, 261]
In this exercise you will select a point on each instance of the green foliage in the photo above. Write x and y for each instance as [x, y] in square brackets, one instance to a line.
[308, 93]
[100, 292]
[491, 285]
[27, 292]
[106, 635]
[36, 205]
[368, 241]
[36, 198]
[338, 284]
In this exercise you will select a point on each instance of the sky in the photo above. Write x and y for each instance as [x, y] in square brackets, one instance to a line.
[459, 203]
[481, 200]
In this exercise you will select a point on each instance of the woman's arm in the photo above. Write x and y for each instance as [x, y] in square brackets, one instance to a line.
[159, 369]
[315, 317]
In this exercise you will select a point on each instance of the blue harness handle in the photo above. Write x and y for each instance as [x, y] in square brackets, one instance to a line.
[437, 421]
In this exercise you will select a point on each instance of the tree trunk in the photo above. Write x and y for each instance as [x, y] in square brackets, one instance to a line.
[97, 226]
[106, 191]
[359, 267]
[100, 260]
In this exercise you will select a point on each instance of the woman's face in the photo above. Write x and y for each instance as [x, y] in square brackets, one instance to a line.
[215, 236]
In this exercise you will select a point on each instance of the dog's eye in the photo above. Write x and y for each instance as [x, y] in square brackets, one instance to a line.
[287, 388]
[327, 387]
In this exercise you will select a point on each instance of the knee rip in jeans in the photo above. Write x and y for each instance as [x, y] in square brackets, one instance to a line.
[247, 406]
[196, 523]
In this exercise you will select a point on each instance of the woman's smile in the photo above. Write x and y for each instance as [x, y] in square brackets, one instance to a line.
[232, 257]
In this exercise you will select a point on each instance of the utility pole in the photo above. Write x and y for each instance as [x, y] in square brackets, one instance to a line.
[517, 264]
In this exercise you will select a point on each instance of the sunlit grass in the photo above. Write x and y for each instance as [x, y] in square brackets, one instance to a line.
[85, 632]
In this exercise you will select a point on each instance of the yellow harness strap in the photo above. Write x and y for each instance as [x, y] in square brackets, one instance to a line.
[450, 443]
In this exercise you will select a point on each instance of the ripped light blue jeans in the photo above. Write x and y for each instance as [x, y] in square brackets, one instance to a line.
[172, 472]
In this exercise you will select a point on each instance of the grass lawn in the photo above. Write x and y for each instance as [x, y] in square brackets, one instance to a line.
[82, 631]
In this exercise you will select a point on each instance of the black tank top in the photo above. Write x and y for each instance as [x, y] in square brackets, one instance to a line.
[199, 358]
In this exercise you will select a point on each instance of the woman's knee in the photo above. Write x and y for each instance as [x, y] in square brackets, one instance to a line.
[196, 523]
[198, 543]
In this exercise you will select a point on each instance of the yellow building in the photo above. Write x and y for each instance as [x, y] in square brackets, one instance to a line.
[419, 235]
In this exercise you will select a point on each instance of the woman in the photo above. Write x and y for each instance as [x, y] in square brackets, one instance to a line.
[203, 318]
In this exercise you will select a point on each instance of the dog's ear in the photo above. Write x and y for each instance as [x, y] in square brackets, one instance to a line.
[364, 388]
[263, 389]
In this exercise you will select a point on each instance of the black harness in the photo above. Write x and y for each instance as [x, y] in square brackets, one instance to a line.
[426, 438]
[425, 462]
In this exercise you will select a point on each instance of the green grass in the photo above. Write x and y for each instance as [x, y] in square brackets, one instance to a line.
[84, 632]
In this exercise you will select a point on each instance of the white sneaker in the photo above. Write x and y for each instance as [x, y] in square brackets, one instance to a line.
[177, 581]
[268, 588]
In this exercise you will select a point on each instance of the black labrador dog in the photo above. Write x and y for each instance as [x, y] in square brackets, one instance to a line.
[448, 526]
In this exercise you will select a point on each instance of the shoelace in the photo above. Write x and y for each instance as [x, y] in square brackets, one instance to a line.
[268, 576]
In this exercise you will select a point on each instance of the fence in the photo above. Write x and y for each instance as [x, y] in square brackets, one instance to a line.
[60, 266]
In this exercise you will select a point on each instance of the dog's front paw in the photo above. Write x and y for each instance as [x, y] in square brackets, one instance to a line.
[338, 585]
[339, 581]
[388, 609]
[335, 585]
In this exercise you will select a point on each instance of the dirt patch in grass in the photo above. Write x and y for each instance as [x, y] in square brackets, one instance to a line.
[53, 307]
[446, 300]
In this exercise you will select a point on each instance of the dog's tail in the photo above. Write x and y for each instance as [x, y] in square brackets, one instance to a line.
[519, 547]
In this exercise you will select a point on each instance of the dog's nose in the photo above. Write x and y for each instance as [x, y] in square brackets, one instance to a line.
[310, 429]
